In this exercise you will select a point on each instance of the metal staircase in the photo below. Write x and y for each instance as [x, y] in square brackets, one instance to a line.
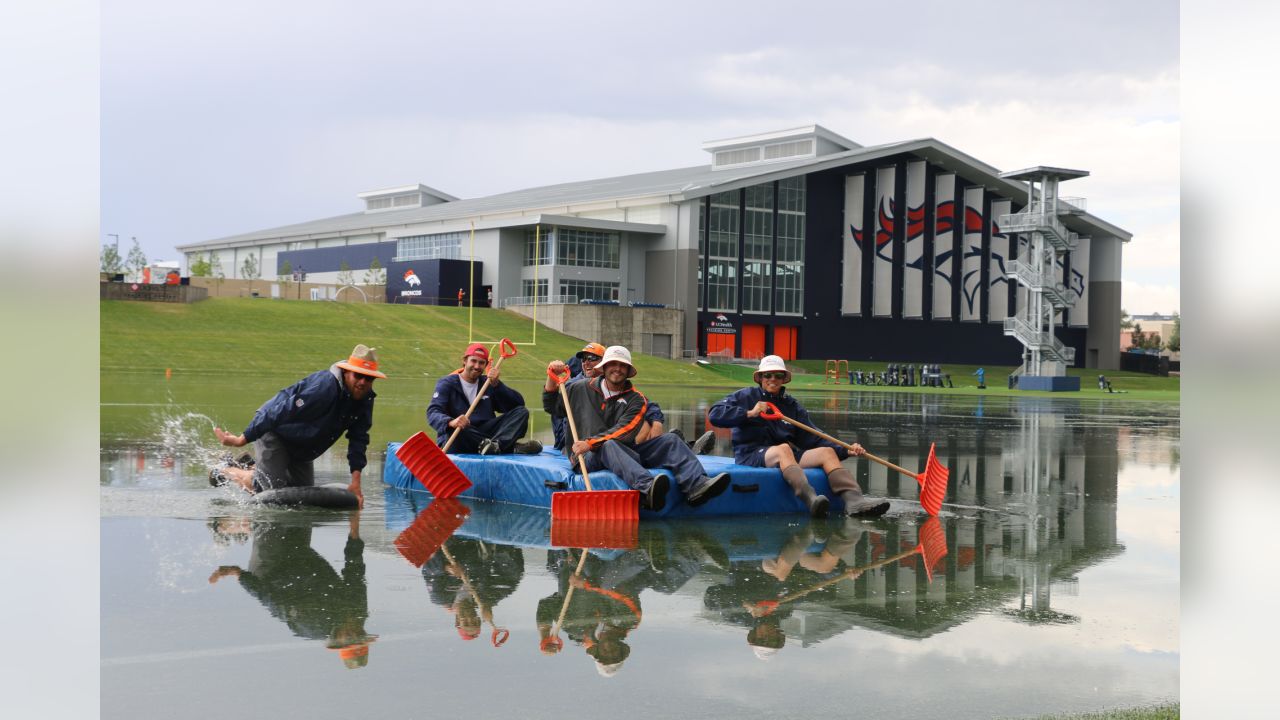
[1036, 269]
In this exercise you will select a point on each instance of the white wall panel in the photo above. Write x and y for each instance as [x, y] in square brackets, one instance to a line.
[943, 244]
[997, 284]
[882, 265]
[971, 266]
[913, 264]
[851, 245]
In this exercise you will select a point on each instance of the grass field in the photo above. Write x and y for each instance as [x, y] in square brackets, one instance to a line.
[259, 335]
[1157, 712]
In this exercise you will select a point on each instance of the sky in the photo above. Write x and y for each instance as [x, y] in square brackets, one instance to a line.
[218, 119]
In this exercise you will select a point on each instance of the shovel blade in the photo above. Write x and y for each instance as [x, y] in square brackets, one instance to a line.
[418, 542]
[933, 545]
[431, 467]
[933, 483]
[591, 533]
[616, 505]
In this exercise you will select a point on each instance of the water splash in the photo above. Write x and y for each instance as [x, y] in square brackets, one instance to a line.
[189, 436]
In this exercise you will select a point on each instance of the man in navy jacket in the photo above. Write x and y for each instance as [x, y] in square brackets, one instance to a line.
[302, 421]
[772, 443]
[499, 420]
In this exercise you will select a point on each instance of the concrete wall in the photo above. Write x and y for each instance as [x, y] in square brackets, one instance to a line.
[295, 291]
[150, 292]
[614, 325]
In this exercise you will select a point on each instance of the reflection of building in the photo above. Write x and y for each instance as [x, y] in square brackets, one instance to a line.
[788, 242]
[1034, 496]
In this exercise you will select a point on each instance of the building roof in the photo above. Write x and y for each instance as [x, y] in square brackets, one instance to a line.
[643, 189]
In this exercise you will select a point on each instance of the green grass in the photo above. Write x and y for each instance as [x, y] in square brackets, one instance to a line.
[1155, 712]
[256, 335]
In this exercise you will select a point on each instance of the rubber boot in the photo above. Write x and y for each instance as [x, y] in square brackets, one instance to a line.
[855, 503]
[817, 504]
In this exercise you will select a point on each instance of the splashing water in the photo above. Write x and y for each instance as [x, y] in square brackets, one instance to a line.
[190, 436]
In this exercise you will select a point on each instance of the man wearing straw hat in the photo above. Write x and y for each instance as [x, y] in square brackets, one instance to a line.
[762, 443]
[499, 420]
[302, 421]
[609, 413]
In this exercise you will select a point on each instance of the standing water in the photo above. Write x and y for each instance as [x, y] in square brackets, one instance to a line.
[1056, 589]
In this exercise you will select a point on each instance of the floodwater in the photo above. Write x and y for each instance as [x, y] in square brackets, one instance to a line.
[1057, 592]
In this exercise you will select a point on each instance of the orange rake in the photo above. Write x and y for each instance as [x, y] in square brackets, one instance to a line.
[932, 547]
[593, 505]
[933, 481]
[428, 462]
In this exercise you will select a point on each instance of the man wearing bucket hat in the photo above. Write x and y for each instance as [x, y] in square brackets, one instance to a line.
[500, 419]
[762, 443]
[609, 412]
[586, 363]
[302, 421]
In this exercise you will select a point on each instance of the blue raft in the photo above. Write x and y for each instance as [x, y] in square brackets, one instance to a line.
[532, 479]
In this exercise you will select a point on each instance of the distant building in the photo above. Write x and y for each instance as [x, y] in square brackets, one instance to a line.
[798, 242]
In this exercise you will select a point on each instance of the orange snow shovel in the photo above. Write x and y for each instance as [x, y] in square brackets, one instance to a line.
[933, 481]
[428, 462]
[552, 643]
[932, 547]
[597, 505]
[418, 542]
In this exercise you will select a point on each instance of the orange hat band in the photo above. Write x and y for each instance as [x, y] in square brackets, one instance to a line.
[363, 363]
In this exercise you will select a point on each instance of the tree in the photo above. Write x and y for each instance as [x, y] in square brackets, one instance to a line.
[110, 260]
[345, 276]
[1138, 339]
[250, 271]
[136, 261]
[1175, 339]
[286, 277]
[1126, 322]
[218, 274]
[375, 275]
[201, 267]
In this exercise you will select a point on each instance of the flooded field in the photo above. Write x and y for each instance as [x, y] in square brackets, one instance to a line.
[1049, 583]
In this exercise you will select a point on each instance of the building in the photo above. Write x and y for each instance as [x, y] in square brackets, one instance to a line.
[798, 242]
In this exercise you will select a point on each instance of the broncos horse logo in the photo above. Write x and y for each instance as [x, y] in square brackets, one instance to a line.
[411, 278]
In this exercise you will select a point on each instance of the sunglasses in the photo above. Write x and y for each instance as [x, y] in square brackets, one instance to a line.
[773, 376]
[590, 358]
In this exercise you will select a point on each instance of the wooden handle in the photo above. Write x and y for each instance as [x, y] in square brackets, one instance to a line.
[564, 608]
[573, 430]
[843, 576]
[776, 415]
[480, 394]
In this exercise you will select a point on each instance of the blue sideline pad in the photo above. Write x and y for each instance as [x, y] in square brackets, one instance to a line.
[532, 479]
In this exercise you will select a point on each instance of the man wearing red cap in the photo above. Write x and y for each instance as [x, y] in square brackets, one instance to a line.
[497, 424]
[303, 421]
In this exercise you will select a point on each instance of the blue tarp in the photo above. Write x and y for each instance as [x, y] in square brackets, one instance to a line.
[531, 480]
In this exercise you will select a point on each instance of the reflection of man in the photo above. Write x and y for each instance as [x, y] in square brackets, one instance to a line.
[491, 572]
[300, 588]
[604, 608]
[500, 419]
[304, 420]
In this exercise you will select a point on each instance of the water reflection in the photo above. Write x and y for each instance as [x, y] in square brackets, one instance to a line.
[298, 586]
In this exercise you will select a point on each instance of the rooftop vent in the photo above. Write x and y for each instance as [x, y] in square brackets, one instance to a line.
[402, 198]
[779, 146]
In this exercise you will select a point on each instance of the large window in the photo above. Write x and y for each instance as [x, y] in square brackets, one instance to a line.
[429, 247]
[722, 252]
[757, 255]
[589, 289]
[587, 248]
[538, 242]
[527, 288]
[788, 296]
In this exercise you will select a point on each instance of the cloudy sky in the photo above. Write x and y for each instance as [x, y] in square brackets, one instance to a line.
[237, 116]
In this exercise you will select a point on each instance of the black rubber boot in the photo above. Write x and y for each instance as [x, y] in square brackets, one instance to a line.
[855, 503]
[818, 505]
